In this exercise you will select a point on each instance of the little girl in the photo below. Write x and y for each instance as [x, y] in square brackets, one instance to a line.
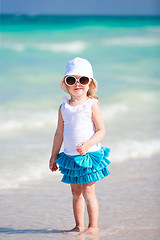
[81, 127]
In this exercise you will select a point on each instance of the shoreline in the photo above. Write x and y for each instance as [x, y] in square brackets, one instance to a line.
[128, 205]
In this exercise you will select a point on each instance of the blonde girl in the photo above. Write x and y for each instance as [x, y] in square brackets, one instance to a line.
[80, 126]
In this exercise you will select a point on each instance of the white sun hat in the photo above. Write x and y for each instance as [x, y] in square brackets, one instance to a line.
[78, 66]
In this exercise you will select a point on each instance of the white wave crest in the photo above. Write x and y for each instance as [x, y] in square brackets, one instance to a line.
[70, 47]
[35, 169]
[132, 41]
[112, 110]
[14, 120]
[134, 149]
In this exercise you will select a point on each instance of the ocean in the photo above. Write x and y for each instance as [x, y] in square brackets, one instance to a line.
[124, 53]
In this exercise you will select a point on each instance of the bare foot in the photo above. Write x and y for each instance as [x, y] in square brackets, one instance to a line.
[75, 230]
[90, 231]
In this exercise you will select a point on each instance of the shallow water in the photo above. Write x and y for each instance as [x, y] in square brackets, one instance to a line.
[124, 53]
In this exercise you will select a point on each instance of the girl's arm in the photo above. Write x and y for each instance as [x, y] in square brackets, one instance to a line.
[57, 143]
[82, 148]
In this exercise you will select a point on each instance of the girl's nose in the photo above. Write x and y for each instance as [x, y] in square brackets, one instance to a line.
[77, 83]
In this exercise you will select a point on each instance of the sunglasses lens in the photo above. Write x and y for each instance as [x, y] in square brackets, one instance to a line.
[70, 81]
[84, 80]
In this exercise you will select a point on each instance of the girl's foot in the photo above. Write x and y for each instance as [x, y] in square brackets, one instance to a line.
[90, 231]
[75, 230]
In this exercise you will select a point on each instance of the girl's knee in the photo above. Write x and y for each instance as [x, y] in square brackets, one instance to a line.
[76, 190]
[88, 190]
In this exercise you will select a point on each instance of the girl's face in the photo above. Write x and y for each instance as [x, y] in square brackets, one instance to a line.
[77, 89]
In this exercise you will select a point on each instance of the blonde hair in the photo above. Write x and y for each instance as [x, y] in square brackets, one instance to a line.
[91, 91]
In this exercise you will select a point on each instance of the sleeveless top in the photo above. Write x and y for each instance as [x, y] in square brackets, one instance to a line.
[78, 126]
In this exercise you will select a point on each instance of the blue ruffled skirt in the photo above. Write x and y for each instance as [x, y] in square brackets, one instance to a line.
[80, 169]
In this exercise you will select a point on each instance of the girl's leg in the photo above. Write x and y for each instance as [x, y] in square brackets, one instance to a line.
[88, 191]
[78, 207]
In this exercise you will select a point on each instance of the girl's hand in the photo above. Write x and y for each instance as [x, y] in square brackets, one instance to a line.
[52, 164]
[82, 148]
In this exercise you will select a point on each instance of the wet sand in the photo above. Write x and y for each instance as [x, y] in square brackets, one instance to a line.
[128, 206]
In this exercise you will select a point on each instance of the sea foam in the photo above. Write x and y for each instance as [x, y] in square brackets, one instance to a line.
[69, 47]
[36, 167]
[128, 41]
[129, 149]
[14, 120]
[112, 110]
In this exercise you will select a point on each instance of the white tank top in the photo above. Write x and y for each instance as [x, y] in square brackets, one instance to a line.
[78, 126]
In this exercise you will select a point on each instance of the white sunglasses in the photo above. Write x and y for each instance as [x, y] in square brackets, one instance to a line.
[71, 80]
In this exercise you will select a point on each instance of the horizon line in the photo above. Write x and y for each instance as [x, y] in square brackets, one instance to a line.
[78, 15]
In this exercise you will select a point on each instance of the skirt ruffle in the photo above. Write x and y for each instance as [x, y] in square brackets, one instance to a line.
[80, 169]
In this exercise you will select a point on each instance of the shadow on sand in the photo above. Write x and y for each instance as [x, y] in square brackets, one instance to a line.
[30, 231]
[11, 231]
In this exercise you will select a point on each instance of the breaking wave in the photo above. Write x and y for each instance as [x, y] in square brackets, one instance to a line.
[69, 47]
[132, 41]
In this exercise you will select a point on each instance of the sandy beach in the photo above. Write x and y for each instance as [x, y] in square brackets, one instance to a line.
[128, 206]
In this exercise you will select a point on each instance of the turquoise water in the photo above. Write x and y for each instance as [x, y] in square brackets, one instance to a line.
[124, 53]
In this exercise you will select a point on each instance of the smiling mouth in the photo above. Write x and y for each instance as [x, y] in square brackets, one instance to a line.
[78, 89]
